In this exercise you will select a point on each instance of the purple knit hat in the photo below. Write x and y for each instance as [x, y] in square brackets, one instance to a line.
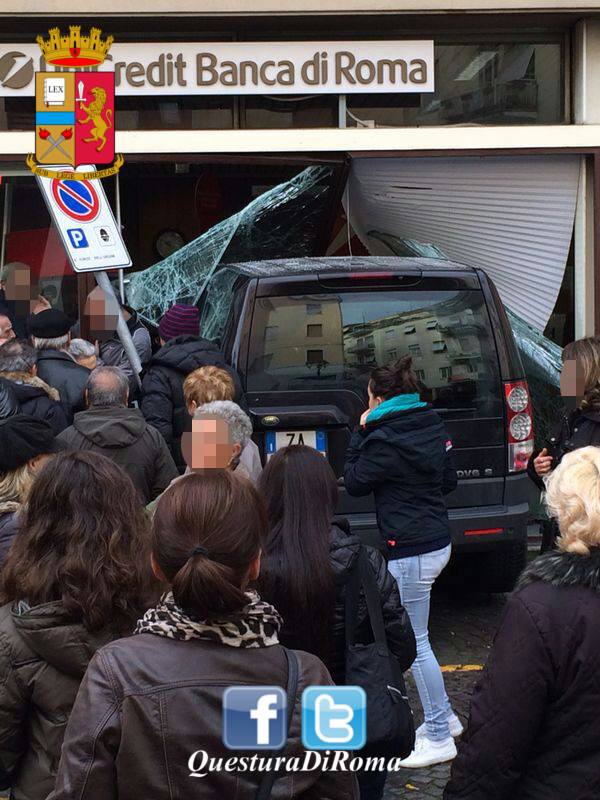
[178, 320]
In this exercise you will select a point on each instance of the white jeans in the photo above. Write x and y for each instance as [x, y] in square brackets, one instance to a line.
[415, 576]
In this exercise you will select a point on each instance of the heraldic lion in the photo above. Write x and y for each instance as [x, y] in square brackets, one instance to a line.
[94, 115]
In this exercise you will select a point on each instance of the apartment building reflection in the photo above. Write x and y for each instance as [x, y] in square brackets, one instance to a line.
[444, 344]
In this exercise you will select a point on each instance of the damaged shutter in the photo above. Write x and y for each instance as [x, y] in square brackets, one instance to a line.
[511, 216]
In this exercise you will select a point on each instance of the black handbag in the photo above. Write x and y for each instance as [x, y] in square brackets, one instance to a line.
[265, 787]
[390, 724]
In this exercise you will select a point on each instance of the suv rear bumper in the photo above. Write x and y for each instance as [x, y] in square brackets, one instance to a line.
[511, 518]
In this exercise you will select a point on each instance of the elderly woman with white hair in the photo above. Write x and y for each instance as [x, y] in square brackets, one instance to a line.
[534, 730]
[220, 433]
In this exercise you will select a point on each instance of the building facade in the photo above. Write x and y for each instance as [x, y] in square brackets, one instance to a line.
[509, 80]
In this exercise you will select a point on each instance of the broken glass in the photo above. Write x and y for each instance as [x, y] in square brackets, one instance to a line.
[286, 221]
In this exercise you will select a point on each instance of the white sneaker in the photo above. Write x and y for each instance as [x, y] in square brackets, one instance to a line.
[456, 727]
[427, 753]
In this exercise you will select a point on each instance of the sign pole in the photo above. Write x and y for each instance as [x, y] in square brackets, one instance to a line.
[123, 331]
[118, 205]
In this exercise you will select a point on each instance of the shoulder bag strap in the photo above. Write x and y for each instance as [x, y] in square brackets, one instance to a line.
[265, 787]
[351, 603]
[373, 599]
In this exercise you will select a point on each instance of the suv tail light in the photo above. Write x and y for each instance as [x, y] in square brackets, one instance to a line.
[519, 424]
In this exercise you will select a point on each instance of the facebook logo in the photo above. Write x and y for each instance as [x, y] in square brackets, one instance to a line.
[254, 717]
[334, 718]
[77, 237]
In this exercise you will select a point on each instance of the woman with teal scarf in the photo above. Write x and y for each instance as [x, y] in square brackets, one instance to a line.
[402, 454]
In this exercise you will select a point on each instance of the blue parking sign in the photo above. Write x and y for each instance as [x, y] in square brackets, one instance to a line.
[77, 237]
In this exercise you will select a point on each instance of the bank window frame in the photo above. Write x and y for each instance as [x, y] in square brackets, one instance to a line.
[563, 39]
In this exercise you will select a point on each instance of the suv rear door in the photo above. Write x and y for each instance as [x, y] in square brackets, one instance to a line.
[313, 341]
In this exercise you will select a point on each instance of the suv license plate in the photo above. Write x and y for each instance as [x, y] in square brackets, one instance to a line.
[275, 440]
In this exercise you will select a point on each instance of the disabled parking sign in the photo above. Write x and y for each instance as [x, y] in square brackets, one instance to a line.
[85, 221]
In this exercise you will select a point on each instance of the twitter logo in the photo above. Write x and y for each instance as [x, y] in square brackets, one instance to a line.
[334, 718]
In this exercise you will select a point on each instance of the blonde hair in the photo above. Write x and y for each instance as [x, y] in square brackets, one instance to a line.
[207, 385]
[586, 353]
[16, 484]
[573, 498]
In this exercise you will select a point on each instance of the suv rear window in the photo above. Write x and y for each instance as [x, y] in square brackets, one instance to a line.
[333, 340]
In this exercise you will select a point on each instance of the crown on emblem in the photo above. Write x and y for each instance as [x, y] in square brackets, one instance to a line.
[75, 50]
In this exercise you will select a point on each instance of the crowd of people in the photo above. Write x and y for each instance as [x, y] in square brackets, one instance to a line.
[149, 560]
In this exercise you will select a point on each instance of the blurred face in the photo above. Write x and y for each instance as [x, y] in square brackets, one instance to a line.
[103, 314]
[6, 329]
[209, 445]
[17, 285]
[572, 380]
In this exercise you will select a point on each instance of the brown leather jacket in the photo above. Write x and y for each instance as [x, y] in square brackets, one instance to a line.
[147, 703]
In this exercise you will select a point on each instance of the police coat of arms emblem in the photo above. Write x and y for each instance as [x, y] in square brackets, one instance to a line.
[74, 119]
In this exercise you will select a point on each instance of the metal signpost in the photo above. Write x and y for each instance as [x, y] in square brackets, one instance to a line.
[91, 237]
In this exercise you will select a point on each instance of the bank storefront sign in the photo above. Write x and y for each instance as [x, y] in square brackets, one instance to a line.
[220, 68]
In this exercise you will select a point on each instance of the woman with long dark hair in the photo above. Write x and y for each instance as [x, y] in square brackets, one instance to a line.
[307, 562]
[149, 714]
[75, 578]
[401, 453]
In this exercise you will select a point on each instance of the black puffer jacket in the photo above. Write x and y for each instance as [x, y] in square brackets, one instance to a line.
[43, 656]
[405, 460]
[344, 552]
[578, 429]
[8, 528]
[38, 399]
[163, 404]
[59, 370]
[534, 730]
[9, 405]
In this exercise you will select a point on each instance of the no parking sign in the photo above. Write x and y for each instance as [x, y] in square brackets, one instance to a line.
[85, 221]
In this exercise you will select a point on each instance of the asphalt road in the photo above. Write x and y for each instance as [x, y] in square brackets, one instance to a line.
[462, 628]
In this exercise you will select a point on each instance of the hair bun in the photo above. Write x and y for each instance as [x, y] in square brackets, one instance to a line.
[403, 364]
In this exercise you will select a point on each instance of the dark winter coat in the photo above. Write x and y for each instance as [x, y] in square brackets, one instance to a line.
[59, 370]
[405, 459]
[38, 399]
[9, 405]
[124, 436]
[43, 656]
[9, 527]
[147, 703]
[534, 730]
[578, 429]
[163, 404]
[344, 551]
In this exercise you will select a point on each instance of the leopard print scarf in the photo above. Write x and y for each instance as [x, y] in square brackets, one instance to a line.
[256, 625]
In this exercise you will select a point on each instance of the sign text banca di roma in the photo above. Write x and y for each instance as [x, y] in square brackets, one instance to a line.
[220, 68]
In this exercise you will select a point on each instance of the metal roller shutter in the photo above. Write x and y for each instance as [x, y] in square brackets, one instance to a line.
[511, 216]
